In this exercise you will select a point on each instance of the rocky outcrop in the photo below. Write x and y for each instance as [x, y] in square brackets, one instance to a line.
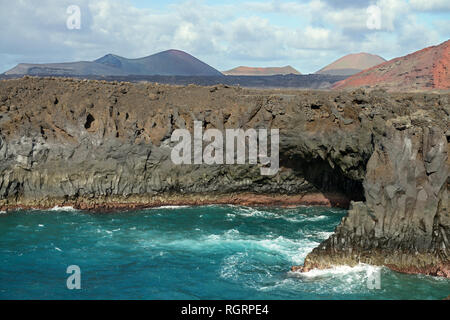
[104, 145]
[405, 221]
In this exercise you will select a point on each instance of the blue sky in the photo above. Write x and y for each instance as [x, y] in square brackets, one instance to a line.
[304, 34]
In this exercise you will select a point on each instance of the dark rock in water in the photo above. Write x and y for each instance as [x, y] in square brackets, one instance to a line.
[107, 145]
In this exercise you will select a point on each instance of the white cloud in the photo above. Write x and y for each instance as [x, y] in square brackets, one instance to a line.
[430, 5]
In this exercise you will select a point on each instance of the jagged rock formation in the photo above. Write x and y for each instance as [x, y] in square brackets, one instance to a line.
[405, 220]
[99, 145]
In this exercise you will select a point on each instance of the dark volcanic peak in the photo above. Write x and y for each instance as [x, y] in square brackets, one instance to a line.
[177, 62]
[110, 60]
[166, 63]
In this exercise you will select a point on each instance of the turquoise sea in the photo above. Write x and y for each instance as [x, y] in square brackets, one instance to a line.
[211, 252]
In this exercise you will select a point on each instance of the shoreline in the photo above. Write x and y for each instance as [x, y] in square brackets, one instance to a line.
[425, 263]
[137, 202]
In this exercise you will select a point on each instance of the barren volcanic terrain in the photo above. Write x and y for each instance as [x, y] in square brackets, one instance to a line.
[426, 69]
[106, 145]
[250, 71]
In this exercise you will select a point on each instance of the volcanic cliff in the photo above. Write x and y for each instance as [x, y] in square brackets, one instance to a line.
[106, 145]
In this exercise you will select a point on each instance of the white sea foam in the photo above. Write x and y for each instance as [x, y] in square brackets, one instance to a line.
[338, 270]
[318, 234]
[232, 232]
[293, 250]
[339, 279]
[292, 219]
[291, 216]
[170, 207]
[230, 265]
[289, 283]
[324, 235]
[253, 212]
[317, 218]
[66, 209]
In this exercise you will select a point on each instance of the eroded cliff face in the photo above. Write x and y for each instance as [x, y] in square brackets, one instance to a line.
[405, 221]
[99, 145]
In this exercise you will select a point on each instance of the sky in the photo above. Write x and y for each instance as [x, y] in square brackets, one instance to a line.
[307, 35]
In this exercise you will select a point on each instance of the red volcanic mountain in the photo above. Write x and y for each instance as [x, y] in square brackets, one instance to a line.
[425, 69]
[352, 64]
[251, 71]
[170, 62]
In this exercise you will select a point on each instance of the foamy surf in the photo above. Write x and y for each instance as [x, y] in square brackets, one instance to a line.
[338, 271]
[249, 212]
[290, 215]
[65, 209]
[323, 235]
[169, 207]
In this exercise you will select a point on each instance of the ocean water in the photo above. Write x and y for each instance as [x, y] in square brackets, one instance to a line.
[211, 252]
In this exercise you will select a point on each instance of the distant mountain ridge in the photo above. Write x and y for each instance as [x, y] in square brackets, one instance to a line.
[255, 71]
[352, 64]
[425, 69]
[167, 63]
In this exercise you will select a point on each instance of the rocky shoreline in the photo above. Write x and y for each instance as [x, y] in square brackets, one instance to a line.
[102, 146]
[114, 204]
[409, 263]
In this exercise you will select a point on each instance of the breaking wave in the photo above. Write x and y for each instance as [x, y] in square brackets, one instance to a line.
[64, 209]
